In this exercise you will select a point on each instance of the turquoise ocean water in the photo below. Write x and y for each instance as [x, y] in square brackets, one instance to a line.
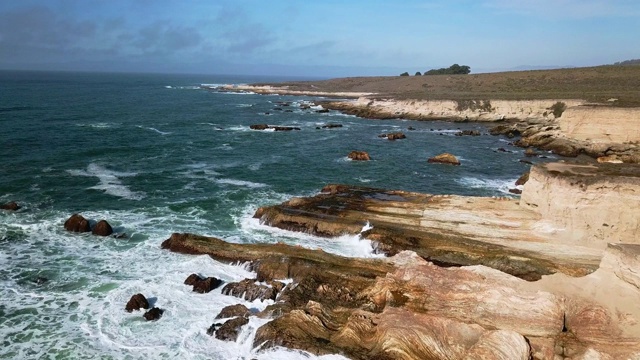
[157, 154]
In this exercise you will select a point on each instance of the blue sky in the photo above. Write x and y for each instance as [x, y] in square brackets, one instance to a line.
[321, 38]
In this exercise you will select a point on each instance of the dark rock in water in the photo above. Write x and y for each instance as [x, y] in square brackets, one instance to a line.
[153, 314]
[444, 158]
[317, 127]
[259, 127]
[288, 110]
[212, 329]
[233, 311]
[252, 291]
[284, 128]
[39, 280]
[515, 191]
[331, 126]
[77, 223]
[230, 329]
[359, 156]
[137, 301]
[322, 111]
[393, 136]
[468, 133]
[102, 228]
[305, 107]
[411, 128]
[202, 285]
[503, 150]
[280, 109]
[525, 161]
[12, 206]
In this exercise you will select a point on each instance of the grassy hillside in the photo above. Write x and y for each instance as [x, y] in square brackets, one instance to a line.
[593, 84]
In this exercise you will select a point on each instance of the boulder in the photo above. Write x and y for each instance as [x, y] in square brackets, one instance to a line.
[322, 111]
[359, 156]
[515, 191]
[137, 301]
[331, 126]
[12, 206]
[229, 330]
[233, 311]
[259, 127]
[102, 228]
[444, 158]
[395, 136]
[153, 314]
[202, 285]
[77, 223]
[253, 291]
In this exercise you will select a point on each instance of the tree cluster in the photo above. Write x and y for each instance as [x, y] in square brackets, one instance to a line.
[628, 62]
[451, 70]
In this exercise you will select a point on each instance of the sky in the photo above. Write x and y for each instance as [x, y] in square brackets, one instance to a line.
[314, 38]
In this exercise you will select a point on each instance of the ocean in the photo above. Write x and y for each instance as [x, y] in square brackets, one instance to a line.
[156, 154]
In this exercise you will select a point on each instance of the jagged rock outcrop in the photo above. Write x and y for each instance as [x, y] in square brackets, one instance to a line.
[404, 307]
[444, 158]
[359, 156]
[229, 330]
[202, 285]
[233, 311]
[102, 228]
[11, 206]
[252, 291]
[77, 223]
[393, 136]
[137, 301]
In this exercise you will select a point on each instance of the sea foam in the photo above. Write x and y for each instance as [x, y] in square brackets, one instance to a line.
[110, 181]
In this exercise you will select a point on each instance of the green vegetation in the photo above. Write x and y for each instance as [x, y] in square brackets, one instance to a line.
[404, 74]
[454, 69]
[558, 108]
[418, 73]
[628, 62]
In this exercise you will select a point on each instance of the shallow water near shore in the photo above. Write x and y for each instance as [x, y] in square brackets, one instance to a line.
[157, 154]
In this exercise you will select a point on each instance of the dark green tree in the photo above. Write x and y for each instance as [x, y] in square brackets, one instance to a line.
[404, 74]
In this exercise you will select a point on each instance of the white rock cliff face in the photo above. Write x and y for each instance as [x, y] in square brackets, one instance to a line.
[601, 124]
[594, 207]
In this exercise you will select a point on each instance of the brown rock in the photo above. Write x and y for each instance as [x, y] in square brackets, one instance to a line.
[229, 330]
[359, 156]
[253, 291]
[515, 191]
[468, 133]
[530, 153]
[153, 314]
[444, 158]
[233, 311]
[284, 128]
[394, 136]
[202, 285]
[523, 179]
[137, 301]
[331, 126]
[102, 228]
[77, 223]
[12, 206]
[259, 127]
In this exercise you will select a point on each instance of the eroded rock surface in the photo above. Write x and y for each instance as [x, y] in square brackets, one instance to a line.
[153, 314]
[444, 158]
[359, 156]
[77, 223]
[202, 285]
[250, 290]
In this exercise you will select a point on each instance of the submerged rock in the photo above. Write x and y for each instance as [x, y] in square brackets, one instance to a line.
[359, 156]
[137, 301]
[393, 136]
[102, 228]
[12, 206]
[153, 314]
[468, 133]
[331, 126]
[444, 158]
[259, 127]
[77, 223]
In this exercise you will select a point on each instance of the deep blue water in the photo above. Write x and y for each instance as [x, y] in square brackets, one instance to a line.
[156, 154]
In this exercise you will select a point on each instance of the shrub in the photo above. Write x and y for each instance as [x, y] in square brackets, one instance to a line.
[417, 73]
[558, 108]
[404, 74]
[451, 70]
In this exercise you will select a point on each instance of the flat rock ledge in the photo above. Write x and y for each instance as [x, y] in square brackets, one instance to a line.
[404, 307]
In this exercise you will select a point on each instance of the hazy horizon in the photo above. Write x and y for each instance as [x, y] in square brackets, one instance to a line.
[314, 40]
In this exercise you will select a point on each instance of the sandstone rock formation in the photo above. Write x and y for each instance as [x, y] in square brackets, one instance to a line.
[202, 285]
[359, 156]
[77, 223]
[137, 301]
[229, 330]
[233, 311]
[12, 206]
[102, 228]
[252, 291]
[444, 158]
[523, 179]
[153, 314]
[404, 307]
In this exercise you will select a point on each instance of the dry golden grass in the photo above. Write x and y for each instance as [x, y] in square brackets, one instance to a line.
[593, 84]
